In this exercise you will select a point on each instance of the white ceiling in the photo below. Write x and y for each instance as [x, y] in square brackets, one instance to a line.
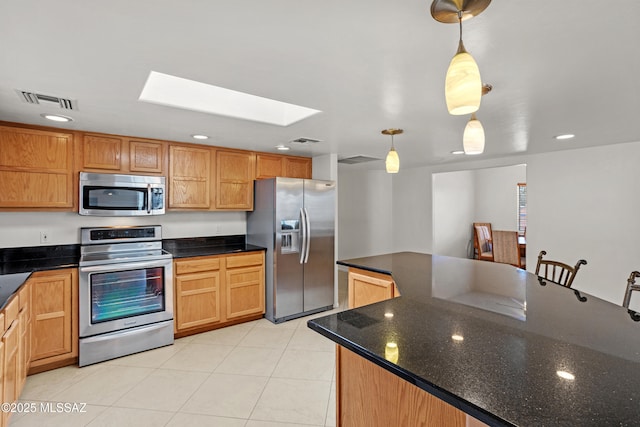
[556, 67]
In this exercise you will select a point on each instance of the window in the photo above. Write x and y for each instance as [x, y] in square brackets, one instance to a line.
[522, 208]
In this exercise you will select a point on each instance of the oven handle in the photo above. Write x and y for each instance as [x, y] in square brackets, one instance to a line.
[125, 332]
[125, 266]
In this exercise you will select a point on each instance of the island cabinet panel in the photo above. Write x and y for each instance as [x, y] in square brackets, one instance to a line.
[216, 291]
[234, 180]
[24, 354]
[370, 396]
[54, 318]
[189, 177]
[36, 169]
[268, 166]
[11, 343]
[245, 285]
[297, 167]
[367, 287]
[103, 153]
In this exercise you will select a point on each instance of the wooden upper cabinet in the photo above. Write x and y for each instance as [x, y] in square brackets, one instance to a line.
[146, 156]
[234, 180]
[268, 166]
[36, 169]
[102, 152]
[189, 177]
[273, 165]
[114, 154]
[297, 167]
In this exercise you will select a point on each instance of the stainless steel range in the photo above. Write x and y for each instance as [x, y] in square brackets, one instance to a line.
[126, 292]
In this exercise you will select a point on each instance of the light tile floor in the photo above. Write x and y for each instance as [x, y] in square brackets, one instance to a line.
[255, 374]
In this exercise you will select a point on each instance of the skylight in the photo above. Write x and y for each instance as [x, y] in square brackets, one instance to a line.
[178, 92]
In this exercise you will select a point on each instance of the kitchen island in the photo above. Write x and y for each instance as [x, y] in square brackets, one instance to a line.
[483, 339]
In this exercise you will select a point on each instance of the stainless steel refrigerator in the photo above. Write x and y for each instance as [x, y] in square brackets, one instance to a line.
[294, 220]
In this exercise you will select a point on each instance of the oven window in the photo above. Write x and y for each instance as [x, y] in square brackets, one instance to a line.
[115, 198]
[120, 294]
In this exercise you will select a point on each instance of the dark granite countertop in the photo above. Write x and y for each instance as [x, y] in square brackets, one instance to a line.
[517, 336]
[206, 246]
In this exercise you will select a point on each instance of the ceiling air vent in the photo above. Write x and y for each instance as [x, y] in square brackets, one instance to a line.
[306, 140]
[357, 159]
[38, 98]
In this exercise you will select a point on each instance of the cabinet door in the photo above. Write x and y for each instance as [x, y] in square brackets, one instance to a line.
[55, 316]
[189, 177]
[297, 167]
[197, 299]
[35, 169]
[146, 156]
[268, 166]
[245, 285]
[104, 153]
[369, 287]
[234, 179]
[11, 342]
[24, 354]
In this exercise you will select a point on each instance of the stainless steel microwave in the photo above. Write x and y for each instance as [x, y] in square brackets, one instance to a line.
[121, 195]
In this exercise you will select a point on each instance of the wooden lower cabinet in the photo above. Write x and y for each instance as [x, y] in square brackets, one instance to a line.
[10, 365]
[54, 319]
[370, 396]
[24, 350]
[217, 291]
[197, 292]
[367, 287]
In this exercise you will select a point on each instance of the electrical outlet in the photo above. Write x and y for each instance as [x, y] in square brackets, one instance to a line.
[44, 237]
[218, 229]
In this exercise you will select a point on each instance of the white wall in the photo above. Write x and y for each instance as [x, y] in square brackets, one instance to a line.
[496, 196]
[365, 215]
[584, 204]
[581, 204]
[453, 212]
[23, 228]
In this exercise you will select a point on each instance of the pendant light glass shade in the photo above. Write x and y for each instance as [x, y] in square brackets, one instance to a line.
[393, 161]
[463, 86]
[473, 137]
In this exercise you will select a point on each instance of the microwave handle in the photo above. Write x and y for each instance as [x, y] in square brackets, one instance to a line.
[149, 198]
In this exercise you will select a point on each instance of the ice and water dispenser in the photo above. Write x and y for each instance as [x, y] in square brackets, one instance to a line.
[290, 232]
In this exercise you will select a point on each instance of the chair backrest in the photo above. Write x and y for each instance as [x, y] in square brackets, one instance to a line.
[483, 240]
[505, 247]
[631, 286]
[557, 272]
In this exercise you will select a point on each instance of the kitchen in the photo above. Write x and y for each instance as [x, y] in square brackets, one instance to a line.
[570, 186]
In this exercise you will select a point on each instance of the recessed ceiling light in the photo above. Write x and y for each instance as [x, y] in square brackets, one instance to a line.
[282, 148]
[178, 92]
[457, 152]
[57, 117]
[565, 136]
[457, 337]
[196, 136]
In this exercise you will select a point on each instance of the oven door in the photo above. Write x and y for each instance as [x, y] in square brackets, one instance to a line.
[120, 296]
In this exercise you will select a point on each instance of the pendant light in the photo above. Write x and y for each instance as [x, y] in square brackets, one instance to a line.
[463, 85]
[473, 137]
[393, 161]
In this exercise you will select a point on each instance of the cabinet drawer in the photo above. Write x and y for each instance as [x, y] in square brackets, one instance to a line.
[11, 311]
[194, 265]
[254, 258]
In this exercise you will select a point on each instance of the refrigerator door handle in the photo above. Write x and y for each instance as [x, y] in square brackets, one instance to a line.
[307, 236]
[303, 236]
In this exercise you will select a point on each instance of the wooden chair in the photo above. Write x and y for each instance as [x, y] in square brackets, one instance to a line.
[557, 272]
[506, 249]
[482, 241]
